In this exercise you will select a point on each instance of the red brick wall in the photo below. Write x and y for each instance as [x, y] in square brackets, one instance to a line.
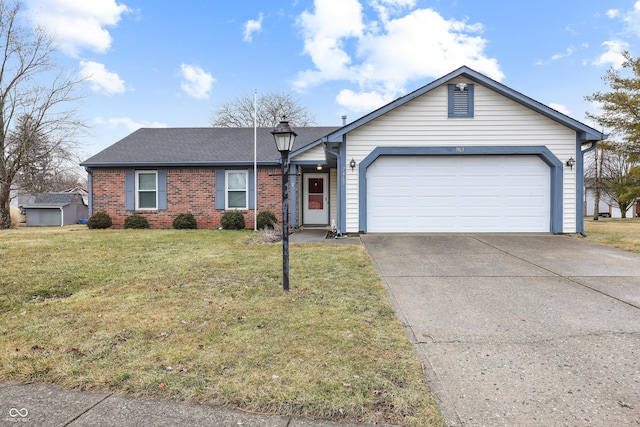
[188, 190]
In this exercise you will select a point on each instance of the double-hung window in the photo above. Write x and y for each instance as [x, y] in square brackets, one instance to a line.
[146, 190]
[237, 190]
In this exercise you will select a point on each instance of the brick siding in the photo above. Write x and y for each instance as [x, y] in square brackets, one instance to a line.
[188, 190]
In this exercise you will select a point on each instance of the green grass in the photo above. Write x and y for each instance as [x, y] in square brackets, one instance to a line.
[618, 233]
[200, 315]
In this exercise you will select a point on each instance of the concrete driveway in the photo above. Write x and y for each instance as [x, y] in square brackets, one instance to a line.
[519, 330]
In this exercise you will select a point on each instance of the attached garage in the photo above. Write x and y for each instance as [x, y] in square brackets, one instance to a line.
[492, 193]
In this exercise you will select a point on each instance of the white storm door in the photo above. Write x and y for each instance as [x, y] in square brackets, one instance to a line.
[315, 206]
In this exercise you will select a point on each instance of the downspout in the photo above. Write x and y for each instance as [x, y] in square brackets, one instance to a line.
[90, 183]
[580, 169]
[61, 216]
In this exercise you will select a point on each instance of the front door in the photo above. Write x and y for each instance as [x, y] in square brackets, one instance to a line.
[315, 209]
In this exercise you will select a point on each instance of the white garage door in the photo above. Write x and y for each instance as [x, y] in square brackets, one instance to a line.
[458, 194]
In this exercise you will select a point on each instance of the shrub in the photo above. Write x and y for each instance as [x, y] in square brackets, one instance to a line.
[136, 221]
[267, 235]
[99, 220]
[266, 219]
[185, 222]
[232, 220]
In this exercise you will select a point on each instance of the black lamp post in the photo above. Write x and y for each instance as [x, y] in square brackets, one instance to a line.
[284, 137]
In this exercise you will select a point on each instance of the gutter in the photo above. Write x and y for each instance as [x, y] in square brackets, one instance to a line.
[177, 164]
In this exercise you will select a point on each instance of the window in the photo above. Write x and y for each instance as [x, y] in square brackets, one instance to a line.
[461, 100]
[244, 195]
[146, 190]
[236, 191]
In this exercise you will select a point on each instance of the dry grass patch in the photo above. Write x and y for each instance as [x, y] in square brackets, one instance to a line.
[200, 315]
[618, 233]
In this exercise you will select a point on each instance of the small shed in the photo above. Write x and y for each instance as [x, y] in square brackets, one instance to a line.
[54, 209]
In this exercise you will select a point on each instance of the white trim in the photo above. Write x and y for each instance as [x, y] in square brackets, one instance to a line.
[226, 190]
[306, 213]
[137, 190]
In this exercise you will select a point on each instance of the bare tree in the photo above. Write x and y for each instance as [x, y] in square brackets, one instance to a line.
[271, 107]
[37, 120]
[597, 172]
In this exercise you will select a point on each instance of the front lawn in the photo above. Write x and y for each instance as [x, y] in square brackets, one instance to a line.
[200, 315]
[617, 233]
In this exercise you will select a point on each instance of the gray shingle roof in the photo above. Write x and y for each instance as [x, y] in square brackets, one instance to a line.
[198, 146]
[47, 200]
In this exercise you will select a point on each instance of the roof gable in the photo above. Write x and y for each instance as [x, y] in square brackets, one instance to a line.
[587, 133]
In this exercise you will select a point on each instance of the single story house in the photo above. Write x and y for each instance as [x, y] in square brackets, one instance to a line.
[54, 209]
[606, 206]
[462, 154]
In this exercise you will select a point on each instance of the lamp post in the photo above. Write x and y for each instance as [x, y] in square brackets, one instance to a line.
[284, 137]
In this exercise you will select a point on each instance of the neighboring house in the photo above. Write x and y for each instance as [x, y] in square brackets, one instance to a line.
[54, 209]
[461, 154]
[607, 207]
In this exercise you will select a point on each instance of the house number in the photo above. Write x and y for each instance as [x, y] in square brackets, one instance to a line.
[459, 149]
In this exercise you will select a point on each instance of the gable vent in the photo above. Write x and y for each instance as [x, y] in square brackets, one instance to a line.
[460, 100]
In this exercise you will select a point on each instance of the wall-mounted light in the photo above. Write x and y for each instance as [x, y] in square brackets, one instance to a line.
[352, 163]
[318, 167]
[571, 162]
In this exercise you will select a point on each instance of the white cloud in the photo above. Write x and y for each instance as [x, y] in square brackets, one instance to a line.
[101, 79]
[387, 53]
[561, 108]
[632, 19]
[568, 52]
[252, 26]
[386, 8]
[360, 102]
[613, 13]
[130, 124]
[613, 56]
[78, 24]
[555, 57]
[325, 32]
[196, 83]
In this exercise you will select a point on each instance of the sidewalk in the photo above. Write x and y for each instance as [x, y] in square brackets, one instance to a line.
[48, 405]
[318, 235]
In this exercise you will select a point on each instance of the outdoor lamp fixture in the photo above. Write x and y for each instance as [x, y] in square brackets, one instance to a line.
[352, 164]
[284, 137]
[571, 162]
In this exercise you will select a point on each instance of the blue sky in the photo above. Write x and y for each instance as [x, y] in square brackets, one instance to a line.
[150, 63]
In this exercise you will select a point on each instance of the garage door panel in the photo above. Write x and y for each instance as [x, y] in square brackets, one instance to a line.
[475, 202]
[431, 201]
[458, 193]
[516, 204]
